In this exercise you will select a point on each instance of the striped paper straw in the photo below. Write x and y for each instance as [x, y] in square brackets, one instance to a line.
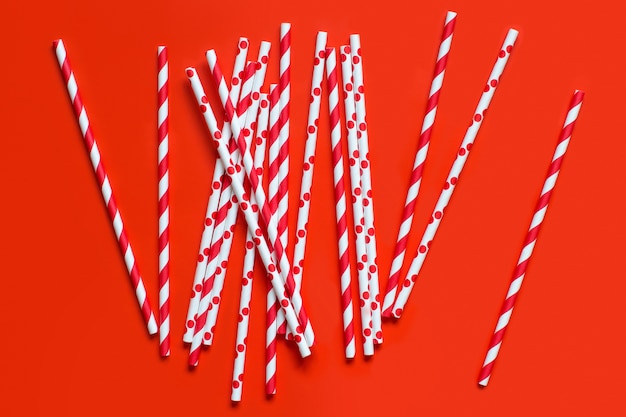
[531, 238]
[280, 252]
[455, 172]
[248, 112]
[164, 203]
[418, 165]
[309, 158]
[284, 86]
[366, 185]
[271, 304]
[248, 264]
[212, 205]
[105, 186]
[276, 279]
[340, 211]
[355, 187]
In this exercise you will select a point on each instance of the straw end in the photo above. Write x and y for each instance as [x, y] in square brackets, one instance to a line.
[483, 382]
[450, 15]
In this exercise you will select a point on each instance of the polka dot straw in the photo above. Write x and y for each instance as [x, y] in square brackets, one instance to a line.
[531, 238]
[455, 172]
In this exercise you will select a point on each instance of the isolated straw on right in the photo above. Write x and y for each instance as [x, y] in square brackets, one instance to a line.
[531, 238]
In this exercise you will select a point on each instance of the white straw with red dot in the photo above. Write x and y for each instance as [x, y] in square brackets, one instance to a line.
[105, 186]
[531, 238]
[251, 106]
[340, 210]
[366, 185]
[357, 197]
[306, 184]
[212, 205]
[418, 166]
[276, 279]
[163, 201]
[455, 172]
[241, 345]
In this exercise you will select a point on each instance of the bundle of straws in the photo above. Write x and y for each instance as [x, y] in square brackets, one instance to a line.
[253, 143]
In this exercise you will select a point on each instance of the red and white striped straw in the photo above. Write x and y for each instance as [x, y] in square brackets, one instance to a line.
[340, 211]
[224, 208]
[366, 185]
[248, 111]
[309, 158]
[283, 144]
[276, 279]
[280, 252]
[418, 165]
[241, 345]
[212, 205]
[455, 172]
[531, 238]
[355, 187]
[164, 202]
[271, 322]
[105, 185]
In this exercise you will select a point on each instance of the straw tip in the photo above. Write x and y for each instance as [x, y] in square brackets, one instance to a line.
[161, 48]
[451, 14]
[56, 42]
[483, 382]
[285, 26]
[513, 32]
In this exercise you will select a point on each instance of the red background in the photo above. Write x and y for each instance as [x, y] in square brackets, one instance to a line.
[73, 340]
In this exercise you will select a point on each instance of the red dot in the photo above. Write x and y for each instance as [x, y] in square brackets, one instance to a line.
[359, 228]
[367, 332]
[257, 65]
[486, 88]
[509, 48]
[379, 335]
[244, 206]
[224, 263]
[316, 61]
[272, 268]
[343, 58]
[398, 312]
[298, 338]
[284, 303]
[198, 287]
[218, 135]
[453, 180]
[227, 233]
[203, 108]
[306, 196]
[357, 97]
[317, 91]
[207, 336]
[360, 89]
[469, 146]
[360, 266]
[312, 158]
[256, 95]
[477, 117]
[216, 300]
[374, 306]
[235, 81]
[258, 232]
[446, 185]
[236, 384]
[264, 104]
[348, 87]
[240, 318]
[414, 278]
[364, 164]
[366, 202]
[264, 59]
[422, 249]
[189, 73]
[243, 44]
[437, 215]
[502, 54]
[493, 83]
[200, 258]
[249, 245]
[306, 166]
[462, 151]
[311, 129]
[246, 132]
[301, 233]
[366, 295]
[204, 99]
[350, 124]
[355, 60]
[296, 269]
[190, 324]
[406, 283]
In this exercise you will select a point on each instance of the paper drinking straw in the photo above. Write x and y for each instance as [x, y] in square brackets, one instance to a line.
[248, 112]
[531, 238]
[355, 187]
[309, 158]
[282, 210]
[455, 172]
[222, 228]
[105, 186]
[164, 204]
[366, 185]
[251, 219]
[212, 205]
[418, 165]
[340, 211]
[248, 263]
[271, 322]
[281, 254]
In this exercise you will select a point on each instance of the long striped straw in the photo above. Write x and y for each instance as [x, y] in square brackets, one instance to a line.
[455, 172]
[105, 186]
[531, 238]
[164, 203]
[418, 165]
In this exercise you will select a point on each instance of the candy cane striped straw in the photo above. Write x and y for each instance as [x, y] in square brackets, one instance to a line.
[280, 252]
[340, 211]
[366, 185]
[105, 186]
[283, 144]
[276, 279]
[248, 264]
[355, 187]
[418, 165]
[455, 172]
[226, 208]
[531, 238]
[309, 157]
[248, 109]
[212, 206]
[164, 204]
[271, 304]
